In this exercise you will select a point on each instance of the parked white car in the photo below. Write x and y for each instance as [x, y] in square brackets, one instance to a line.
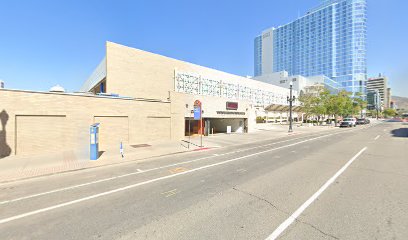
[348, 122]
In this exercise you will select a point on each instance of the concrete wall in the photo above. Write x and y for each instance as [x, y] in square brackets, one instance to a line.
[136, 73]
[40, 122]
[140, 74]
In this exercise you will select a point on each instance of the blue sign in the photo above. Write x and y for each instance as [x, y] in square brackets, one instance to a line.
[94, 141]
[197, 112]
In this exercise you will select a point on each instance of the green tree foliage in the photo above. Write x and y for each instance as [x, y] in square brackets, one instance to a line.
[317, 101]
[340, 104]
[359, 104]
[313, 101]
[306, 99]
[389, 112]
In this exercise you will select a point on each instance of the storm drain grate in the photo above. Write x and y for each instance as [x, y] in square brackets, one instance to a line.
[140, 145]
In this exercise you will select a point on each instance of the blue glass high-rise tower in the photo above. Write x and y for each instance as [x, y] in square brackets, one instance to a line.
[329, 40]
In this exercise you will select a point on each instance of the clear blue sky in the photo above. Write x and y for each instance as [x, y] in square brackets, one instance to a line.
[44, 43]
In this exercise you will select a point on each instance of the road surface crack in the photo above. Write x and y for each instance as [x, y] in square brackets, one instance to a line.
[317, 229]
[280, 210]
[261, 199]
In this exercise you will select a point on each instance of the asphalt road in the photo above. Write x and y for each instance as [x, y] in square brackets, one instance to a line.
[342, 184]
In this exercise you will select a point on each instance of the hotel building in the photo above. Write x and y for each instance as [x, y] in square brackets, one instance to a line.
[329, 40]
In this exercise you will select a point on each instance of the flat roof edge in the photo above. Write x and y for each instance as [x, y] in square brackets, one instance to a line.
[82, 95]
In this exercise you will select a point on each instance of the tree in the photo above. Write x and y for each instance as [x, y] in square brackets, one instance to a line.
[359, 104]
[389, 112]
[312, 100]
[320, 106]
[339, 104]
[306, 100]
[318, 101]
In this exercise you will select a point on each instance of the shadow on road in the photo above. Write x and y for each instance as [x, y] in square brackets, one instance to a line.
[401, 132]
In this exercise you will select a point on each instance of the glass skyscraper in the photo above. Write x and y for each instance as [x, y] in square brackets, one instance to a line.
[329, 40]
[258, 56]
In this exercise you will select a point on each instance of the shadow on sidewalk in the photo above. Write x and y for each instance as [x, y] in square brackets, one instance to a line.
[5, 149]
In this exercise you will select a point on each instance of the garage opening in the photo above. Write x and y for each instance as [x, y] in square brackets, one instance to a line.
[215, 125]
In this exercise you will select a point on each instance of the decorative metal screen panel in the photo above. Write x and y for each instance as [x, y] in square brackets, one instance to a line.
[187, 83]
[210, 87]
[191, 83]
[244, 93]
[230, 90]
[258, 97]
[267, 98]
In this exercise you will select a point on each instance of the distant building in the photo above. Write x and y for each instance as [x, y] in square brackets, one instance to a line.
[1, 84]
[393, 105]
[388, 99]
[380, 84]
[374, 100]
[329, 40]
[282, 79]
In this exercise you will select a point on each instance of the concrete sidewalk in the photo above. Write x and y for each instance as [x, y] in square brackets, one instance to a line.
[20, 167]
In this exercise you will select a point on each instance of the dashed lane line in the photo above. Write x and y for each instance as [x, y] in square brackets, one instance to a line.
[139, 171]
[42, 210]
[275, 234]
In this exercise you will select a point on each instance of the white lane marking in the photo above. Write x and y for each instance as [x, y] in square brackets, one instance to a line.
[377, 137]
[170, 193]
[299, 211]
[138, 171]
[9, 219]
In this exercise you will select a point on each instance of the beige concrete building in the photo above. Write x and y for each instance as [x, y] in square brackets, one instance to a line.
[380, 84]
[34, 122]
[137, 97]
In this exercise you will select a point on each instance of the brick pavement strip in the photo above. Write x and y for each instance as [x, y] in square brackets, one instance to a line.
[29, 169]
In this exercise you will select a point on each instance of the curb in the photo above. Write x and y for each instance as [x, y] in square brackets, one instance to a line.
[139, 159]
[98, 166]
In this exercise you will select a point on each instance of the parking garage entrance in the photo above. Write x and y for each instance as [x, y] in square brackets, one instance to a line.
[215, 125]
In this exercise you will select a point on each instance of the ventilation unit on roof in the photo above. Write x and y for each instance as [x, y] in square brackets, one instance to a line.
[57, 88]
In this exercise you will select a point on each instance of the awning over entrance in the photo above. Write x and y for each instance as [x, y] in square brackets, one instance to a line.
[282, 108]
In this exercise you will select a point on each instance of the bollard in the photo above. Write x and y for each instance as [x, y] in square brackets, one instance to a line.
[121, 149]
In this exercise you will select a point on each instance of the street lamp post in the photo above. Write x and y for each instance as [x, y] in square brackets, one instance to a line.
[377, 102]
[290, 99]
